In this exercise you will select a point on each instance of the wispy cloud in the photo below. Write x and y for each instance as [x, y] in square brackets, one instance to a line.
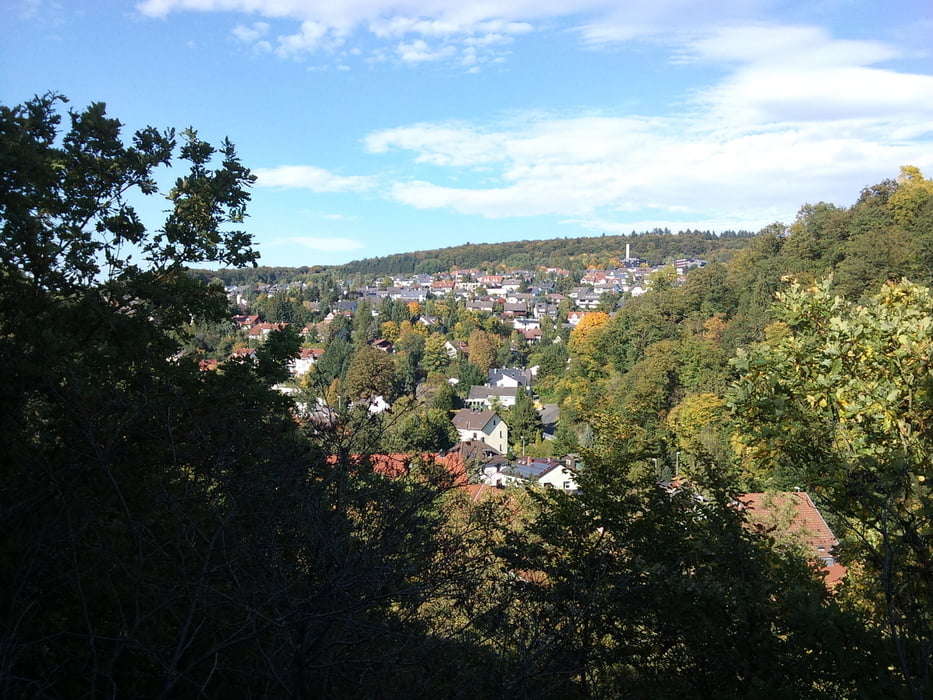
[251, 33]
[801, 74]
[468, 34]
[450, 144]
[311, 178]
[419, 51]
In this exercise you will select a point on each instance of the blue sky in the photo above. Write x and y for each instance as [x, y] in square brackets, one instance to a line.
[384, 126]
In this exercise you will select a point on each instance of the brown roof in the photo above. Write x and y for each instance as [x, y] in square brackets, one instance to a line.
[477, 450]
[468, 419]
[265, 328]
[480, 492]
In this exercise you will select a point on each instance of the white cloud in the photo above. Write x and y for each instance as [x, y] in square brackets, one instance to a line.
[325, 24]
[797, 115]
[440, 144]
[311, 37]
[418, 51]
[801, 115]
[801, 74]
[601, 169]
[312, 178]
[775, 44]
[252, 33]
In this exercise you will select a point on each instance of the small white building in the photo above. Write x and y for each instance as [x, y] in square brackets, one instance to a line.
[509, 377]
[483, 396]
[527, 471]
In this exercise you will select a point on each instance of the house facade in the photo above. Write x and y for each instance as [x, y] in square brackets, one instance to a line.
[484, 426]
[484, 396]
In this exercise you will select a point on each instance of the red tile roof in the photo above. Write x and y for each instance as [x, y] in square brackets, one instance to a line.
[397, 465]
[795, 513]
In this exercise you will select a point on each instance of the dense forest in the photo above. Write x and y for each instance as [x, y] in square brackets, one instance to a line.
[175, 532]
[655, 248]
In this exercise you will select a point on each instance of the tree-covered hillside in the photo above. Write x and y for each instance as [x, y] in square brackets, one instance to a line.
[656, 248]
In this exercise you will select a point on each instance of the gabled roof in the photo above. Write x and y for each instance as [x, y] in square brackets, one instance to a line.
[246, 320]
[804, 516]
[534, 469]
[477, 492]
[479, 452]
[522, 376]
[469, 419]
[263, 329]
[531, 333]
[795, 513]
[484, 392]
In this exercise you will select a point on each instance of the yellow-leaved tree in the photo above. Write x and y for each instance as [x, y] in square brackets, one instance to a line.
[841, 402]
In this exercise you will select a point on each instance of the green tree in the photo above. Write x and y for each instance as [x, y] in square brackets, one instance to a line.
[168, 532]
[107, 431]
[371, 372]
[911, 196]
[420, 431]
[444, 398]
[839, 401]
[523, 420]
[333, 364]
[625, 595]
[469, 375]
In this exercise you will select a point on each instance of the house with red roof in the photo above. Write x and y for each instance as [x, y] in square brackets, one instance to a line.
[794, 515]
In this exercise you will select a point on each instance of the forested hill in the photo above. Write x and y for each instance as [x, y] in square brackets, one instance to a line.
[656, 247]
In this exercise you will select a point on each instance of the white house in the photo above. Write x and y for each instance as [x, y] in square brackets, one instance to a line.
[485, 426]
[305, 361]
[550, 473]
[483, 396]
[509, 377]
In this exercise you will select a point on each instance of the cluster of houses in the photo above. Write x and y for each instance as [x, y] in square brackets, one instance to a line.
[481, 456]
[484, 438]
[515, 296]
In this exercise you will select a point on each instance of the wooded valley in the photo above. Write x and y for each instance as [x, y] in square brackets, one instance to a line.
[182, 518]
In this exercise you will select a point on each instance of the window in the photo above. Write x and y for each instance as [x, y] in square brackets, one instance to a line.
[566, 486]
